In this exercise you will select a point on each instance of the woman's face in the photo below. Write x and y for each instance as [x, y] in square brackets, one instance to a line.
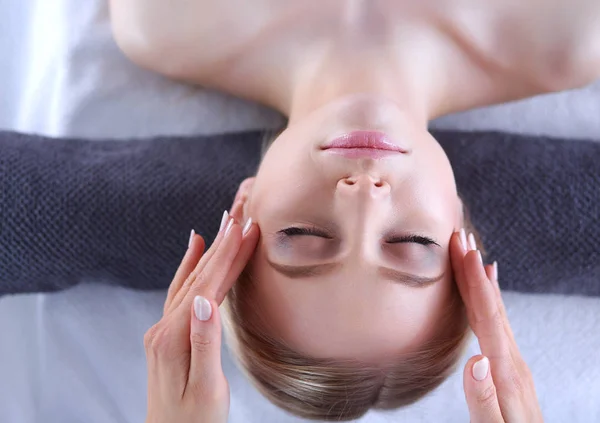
[353, 259]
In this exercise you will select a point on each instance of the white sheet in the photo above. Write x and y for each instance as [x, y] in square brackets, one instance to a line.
[77, 356]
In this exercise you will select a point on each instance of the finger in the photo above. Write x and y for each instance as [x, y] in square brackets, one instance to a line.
[205, 374]
[167, 354]
[212, 276]
[480, 391]
[458, 249]
[490, 273]
[249, 242]
[237, 210]
[491, 270]
[188, 264]
[201, 263]
[496, 339]
[488, 322]
[489, 325]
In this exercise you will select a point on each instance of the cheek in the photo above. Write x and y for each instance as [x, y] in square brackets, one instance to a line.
[284, 187]
[283, 169]
[416, 312]
[434, 189]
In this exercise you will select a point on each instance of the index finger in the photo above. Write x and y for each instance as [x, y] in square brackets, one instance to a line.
[487, 320]
[221, 271]
[188, 264]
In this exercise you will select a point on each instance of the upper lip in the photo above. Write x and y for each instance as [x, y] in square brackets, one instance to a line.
[374, 140]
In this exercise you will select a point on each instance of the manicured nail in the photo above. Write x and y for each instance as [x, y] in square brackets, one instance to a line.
[495, 270]
[472, 243]
[223, 220]
[229, 226]
[191, 238]
[481, 369]
[247, 226]
[479, 256]
[463, 239]
[202, 308]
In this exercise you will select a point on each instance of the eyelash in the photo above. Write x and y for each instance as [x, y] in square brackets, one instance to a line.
[417, 239]
[294, 231]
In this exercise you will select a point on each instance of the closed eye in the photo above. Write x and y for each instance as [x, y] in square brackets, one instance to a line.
[418, 239]
[310, 231]
[295, 231]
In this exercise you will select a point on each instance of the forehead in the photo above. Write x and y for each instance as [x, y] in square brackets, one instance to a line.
[348, 314]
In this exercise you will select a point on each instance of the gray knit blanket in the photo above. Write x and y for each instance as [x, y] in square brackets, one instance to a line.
[120, 212]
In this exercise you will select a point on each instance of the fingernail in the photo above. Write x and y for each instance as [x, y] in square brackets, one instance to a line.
[481, 369]
[479, 256]
[229, 226]
[247, 226]
[223, 220]
[496, 270]
[472, 243]
[202, 308]
[463, 239]
[191, 238]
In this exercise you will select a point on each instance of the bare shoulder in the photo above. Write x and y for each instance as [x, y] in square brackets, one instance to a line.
[512, 49]
[552, 44]
[185, 38]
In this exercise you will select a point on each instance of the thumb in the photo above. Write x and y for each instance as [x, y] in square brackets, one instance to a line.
[206, 374]
[480, 391]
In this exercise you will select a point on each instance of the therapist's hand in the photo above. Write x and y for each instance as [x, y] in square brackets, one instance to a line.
[183, 350]
[498, 384]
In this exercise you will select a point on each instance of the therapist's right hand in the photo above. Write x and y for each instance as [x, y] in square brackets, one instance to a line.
[498, 384]
[185, 379]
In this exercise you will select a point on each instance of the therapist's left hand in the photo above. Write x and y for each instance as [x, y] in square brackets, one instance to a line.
[183, 350]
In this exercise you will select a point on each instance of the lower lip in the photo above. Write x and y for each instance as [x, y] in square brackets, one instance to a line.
[356, 144]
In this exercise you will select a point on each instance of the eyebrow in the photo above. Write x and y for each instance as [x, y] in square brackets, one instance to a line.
[407, 279]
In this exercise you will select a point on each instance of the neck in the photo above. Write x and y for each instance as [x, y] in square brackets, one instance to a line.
[329, 79]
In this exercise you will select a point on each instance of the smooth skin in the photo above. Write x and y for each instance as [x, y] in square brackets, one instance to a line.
[186, 381]
[507, 392]
[390, 65]
[332, 67]
[185, 378]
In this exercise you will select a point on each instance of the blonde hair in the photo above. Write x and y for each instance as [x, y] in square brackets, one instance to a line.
[329, 389]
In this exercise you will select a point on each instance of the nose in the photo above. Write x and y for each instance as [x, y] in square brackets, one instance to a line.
[364, 185]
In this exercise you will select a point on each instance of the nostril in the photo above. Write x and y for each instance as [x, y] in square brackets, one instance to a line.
[378, 184]
[348, 181]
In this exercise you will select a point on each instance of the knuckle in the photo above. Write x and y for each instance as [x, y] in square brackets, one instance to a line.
[201, 286]
[150, 336]
[158, 340]
[199, 279]
[486, 397]
[201, 343]
[189, 280]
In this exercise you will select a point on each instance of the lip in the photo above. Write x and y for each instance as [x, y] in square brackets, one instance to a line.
[370, 144]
